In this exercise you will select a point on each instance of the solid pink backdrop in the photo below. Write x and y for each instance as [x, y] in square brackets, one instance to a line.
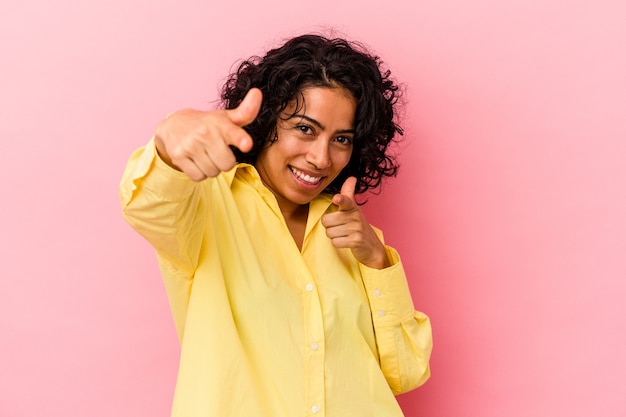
[508, 210]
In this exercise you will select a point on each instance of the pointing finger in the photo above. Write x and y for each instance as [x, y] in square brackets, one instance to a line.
[348, 187]
[345, 199]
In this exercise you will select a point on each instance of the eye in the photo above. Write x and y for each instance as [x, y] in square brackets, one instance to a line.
[344, 140]
[304, 129]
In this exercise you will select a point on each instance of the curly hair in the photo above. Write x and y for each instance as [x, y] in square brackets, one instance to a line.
[316, 61]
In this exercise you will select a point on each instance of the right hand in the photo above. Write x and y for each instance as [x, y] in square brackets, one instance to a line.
[197, 142]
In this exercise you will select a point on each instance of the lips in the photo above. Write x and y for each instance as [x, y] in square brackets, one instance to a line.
[304, 177]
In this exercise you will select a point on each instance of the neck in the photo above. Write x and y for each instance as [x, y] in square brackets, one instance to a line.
[296, 218]
[295, 211]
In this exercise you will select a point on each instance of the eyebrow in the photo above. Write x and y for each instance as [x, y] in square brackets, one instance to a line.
[319, 125]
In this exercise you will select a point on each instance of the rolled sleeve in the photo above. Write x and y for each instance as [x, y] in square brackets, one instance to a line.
[388, 291]
[403, 335]
[148, 171]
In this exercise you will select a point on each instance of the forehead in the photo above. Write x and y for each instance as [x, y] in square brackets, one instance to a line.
[334, 105]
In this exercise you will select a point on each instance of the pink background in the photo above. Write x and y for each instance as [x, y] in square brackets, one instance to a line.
[509, 210]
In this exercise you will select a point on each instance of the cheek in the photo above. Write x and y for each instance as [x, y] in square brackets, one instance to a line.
[341, 160]
[285, 148]
[272, 155]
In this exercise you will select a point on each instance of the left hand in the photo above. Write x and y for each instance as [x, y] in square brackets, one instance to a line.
[348, 228]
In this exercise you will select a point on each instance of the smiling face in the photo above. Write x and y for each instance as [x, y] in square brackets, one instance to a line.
[312, 146]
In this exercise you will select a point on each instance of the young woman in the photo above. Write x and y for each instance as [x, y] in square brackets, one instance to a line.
[286, 301]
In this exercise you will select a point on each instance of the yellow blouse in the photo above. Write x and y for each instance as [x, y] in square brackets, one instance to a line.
[265, 329]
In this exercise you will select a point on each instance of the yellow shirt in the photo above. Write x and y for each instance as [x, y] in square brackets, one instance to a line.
[265, 329]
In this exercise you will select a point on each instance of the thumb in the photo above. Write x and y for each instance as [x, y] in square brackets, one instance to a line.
[247, 110]
[345, 198]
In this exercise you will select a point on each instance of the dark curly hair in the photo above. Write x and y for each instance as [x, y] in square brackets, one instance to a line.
[317, 61]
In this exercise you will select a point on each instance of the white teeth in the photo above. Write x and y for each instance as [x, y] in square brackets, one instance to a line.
[305, 177]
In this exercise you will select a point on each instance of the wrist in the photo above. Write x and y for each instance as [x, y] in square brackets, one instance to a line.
[162, 152]
[380, 260]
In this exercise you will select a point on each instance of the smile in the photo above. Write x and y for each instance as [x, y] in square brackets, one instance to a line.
[305, 177]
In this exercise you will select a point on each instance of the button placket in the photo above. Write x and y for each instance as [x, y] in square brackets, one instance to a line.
[314, 340]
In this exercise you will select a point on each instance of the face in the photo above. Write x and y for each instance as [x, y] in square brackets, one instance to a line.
[312, 147]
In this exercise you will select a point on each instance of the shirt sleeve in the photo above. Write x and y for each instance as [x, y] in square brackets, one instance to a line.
[162, 204]
[159, 203]
[403, 335]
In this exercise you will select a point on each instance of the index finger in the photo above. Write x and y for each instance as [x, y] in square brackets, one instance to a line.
[345, 199]
[238, 137]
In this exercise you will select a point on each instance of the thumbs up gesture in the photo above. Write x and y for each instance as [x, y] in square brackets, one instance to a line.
[197, 142]
[348, 228]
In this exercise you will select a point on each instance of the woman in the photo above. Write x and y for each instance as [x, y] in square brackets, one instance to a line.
[286, 301]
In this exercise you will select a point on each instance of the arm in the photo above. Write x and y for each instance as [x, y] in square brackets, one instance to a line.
[162, 193]
[403, 335]
[158, 194]
[158, 202]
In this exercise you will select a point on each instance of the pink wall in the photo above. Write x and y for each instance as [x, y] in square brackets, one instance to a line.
[509, 210]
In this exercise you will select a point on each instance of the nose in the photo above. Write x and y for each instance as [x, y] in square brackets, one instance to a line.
[318, 154]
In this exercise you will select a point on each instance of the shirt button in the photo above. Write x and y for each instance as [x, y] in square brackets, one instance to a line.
[315, 409]
[381, 313]
[377, 293]
[314, 346]
[309, 287]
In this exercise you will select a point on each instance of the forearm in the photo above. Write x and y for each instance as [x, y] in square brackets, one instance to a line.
[403, 335]
[159, 203]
